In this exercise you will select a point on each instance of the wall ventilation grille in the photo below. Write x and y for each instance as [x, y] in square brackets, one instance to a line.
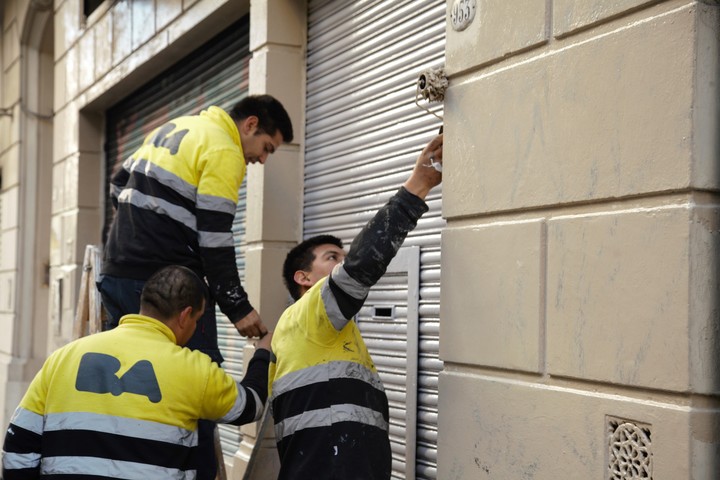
[629, 450]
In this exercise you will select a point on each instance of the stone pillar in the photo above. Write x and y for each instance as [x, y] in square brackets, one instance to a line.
[274, 212]
[580, 262]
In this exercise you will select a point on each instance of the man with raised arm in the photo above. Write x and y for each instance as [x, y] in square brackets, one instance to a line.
[327, 399]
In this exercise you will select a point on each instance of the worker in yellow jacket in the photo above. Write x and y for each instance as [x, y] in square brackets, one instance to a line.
[126, 403]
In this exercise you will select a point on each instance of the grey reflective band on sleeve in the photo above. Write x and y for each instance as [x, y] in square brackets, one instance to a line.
[332, 308]
[215, 239]
[28, 420]
[18, 461]
[127, 164]
[115, 190]
[259, 407]
[348, 285]
[216, 204]
[238, 407]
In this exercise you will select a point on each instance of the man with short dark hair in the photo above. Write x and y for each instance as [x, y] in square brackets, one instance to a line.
[327, 399]
[125, 403]
[176, 198]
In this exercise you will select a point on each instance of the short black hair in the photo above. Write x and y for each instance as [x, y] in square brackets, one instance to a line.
[272, 116]
[171, 289]
[301, 258]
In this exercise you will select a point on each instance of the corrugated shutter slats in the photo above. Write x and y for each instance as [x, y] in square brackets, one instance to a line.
[363, 134]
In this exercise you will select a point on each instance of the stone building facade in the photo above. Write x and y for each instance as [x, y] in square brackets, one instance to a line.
[579, 302]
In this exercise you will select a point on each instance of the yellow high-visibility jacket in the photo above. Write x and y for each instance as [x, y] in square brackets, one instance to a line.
[327, 399]
[176, 198]
[125, 404]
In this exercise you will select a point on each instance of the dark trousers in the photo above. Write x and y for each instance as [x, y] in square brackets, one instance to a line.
[121, 296]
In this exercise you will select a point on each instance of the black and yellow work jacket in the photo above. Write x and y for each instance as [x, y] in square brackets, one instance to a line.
[125, 404]
[176, 198]
[327, 399]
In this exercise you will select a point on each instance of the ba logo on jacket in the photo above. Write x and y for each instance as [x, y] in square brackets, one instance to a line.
[96, 374]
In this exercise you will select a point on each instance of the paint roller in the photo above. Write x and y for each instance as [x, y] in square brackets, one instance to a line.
[431, 85]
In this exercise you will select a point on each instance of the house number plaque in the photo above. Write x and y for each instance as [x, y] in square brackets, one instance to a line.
[462, 14]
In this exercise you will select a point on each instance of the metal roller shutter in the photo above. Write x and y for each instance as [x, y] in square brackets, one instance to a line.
[214, 74]
[363, 134]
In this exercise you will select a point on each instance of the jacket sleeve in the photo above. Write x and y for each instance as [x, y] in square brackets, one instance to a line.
[370, 254]
[23, 439]
[119, 180]
[215, 211]
[22, 447]
[252, 391]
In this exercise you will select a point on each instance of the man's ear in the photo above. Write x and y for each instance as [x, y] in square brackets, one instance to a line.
[248, 125]
[302, 278]
[185, 317]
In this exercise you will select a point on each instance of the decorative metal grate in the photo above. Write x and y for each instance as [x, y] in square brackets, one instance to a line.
[629, 450]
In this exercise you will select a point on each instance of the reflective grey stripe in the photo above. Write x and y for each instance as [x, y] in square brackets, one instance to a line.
[325, 417]
[240, 403]
[127, 164]
[217, 204]
[28, 420]
[238, 407]
[115, 190]
[16, 461]
[259, 407]
[332, 308]
[324, 373]
[166, 178]
[110, 468]
[215, 239]
[348, 284]
[129, 427]
[158, 205]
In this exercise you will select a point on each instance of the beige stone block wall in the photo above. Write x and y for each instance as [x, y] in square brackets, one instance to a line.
[579, 280]
[502, 427]
[570, 16]
[616, 130]
[607, 321]
[9, 201]
[504, 264]
[500, 29]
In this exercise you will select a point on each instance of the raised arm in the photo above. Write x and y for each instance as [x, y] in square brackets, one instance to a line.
[378, 242]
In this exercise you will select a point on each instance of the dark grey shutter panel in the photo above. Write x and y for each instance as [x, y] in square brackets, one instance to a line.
[363, 134]
[214, 74]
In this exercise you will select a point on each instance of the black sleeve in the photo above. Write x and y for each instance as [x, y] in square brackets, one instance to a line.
[257, 374]
[19, 441]
[256, 379]
[118, 181]
[374, 247]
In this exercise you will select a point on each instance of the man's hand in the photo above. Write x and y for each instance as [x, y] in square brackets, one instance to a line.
[265, 341]
[251, 325]
[426, 173]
